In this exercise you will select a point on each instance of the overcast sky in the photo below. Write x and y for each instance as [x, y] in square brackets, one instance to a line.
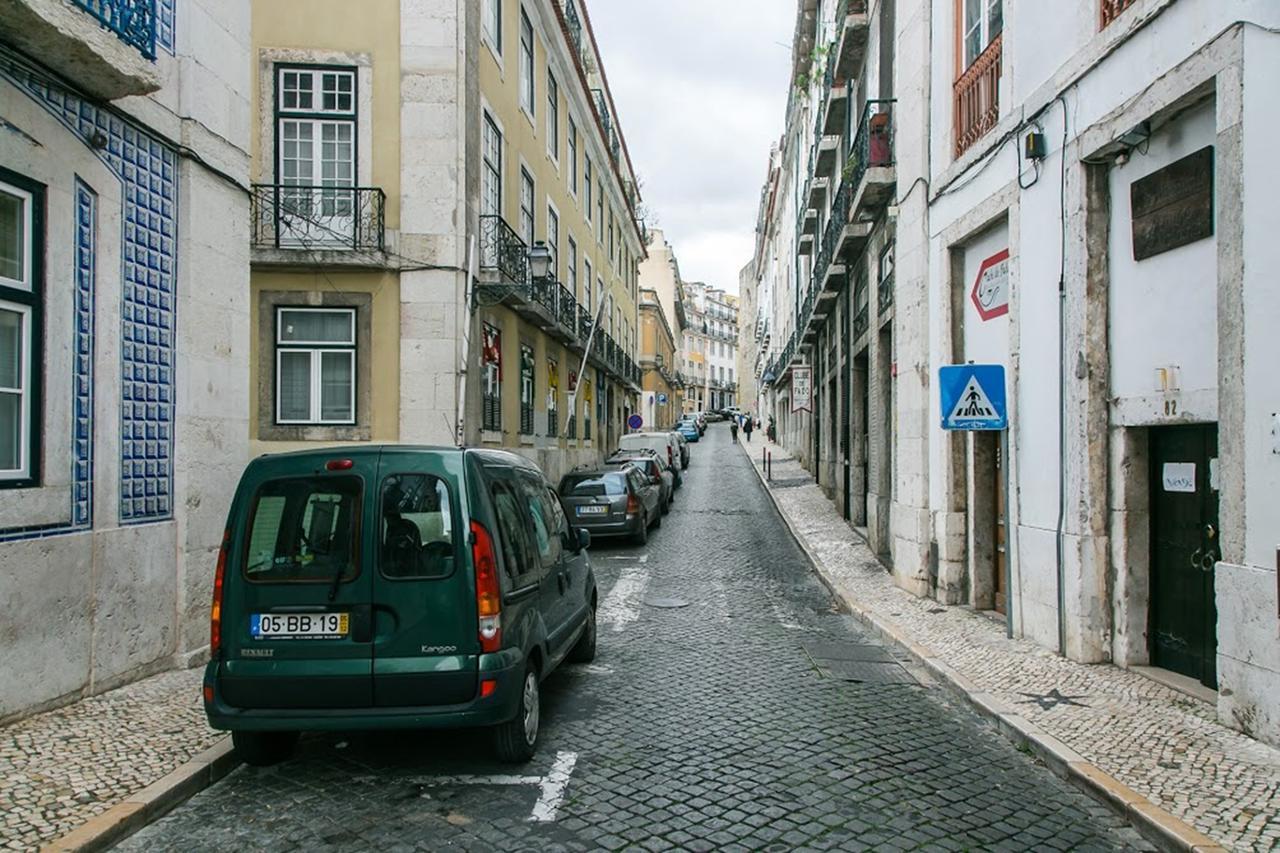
[700, 87]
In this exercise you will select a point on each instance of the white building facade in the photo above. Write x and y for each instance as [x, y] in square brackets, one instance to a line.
[1081, 196]
[123, 322]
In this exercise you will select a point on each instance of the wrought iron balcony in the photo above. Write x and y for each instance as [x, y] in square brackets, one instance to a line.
[584, 323]
[566, 309]
[133, 21]
[573, 23]
[976, 108]
[502, 250]
[317, 218]
[542, 291]
[884, 293]
[836, 222]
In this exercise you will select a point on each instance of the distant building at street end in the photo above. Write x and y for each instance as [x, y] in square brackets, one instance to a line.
[663, 400]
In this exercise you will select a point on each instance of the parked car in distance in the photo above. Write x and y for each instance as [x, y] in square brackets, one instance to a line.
[612, 500]
[693, 420]
[689, 430]
[684, 450]
[715, 418]
[663, 443]
[368, 588]
[654, 467]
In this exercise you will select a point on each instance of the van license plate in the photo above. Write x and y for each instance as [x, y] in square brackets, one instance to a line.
[302, 626]
[592, 510]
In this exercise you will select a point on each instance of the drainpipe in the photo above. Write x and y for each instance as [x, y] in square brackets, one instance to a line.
[473, 259]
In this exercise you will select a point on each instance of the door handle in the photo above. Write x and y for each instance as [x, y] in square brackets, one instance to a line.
[1208, 561]
[1195, 560]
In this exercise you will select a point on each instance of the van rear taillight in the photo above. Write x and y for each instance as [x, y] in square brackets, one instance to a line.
[671, 459]
[488, 593]
[215, 611]
[633, 505]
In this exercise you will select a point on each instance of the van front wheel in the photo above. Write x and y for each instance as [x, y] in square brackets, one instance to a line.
[516, 740]
[262, 749]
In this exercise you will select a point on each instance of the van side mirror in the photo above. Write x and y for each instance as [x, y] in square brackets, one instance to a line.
[584, 539]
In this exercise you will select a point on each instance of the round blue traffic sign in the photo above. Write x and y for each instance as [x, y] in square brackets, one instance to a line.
[662, 398]
[635, 422]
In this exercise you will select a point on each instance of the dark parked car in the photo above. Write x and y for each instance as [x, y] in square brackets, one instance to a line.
[654, 467]
[393, 588]
[612, 500]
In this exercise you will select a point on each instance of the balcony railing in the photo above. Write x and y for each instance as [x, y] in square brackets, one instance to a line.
[836, 222]
[566, 308]
[133, 21]
[884, 293]
[977, 97]
[574, 24]
[873, 145]
[543, 292]
[501, 249]
[1111, 9]
[316, 217]
[584, 323]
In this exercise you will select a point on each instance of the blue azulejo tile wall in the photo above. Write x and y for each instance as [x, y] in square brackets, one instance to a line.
[146, 167]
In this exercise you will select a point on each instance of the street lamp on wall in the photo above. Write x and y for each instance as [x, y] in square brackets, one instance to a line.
[539, 260]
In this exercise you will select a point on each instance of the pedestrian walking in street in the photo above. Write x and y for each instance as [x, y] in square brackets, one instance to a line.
[748, 425]
[772, 432]
[733, 428]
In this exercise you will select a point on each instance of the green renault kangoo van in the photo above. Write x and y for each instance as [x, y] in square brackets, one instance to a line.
[372, 587]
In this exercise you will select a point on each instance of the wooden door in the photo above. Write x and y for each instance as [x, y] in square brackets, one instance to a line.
[1184, 550]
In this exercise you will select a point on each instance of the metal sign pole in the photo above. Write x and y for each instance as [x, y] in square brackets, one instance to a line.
[582, 370]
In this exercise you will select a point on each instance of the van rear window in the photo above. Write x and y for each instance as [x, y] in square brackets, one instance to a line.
[611, 485]
[304, 529]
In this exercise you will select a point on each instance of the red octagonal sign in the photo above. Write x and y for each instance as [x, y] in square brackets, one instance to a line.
[991, 289]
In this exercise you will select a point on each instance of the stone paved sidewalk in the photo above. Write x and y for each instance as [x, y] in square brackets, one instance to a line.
[60, 768]
[1165, 745]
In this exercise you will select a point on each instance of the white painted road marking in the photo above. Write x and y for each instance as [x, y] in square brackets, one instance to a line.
[622, 605]
[552, 786]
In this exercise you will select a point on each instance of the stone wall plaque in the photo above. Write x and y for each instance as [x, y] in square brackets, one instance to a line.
[1173, 206]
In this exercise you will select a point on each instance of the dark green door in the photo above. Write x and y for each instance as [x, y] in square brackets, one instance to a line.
[425, 642]
[1184, 550]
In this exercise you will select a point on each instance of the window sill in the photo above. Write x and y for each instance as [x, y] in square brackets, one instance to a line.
[526, 441]
[313, 432]
[490, 436]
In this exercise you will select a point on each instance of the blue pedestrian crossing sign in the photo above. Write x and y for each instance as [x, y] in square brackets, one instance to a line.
[973, 397]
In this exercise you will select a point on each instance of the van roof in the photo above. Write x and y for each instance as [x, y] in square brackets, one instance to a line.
[366, 450]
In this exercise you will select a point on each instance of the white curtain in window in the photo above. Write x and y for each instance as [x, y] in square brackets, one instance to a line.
[336, 382]
[331, 327]
[295, 386]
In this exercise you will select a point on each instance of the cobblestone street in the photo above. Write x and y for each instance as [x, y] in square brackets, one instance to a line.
[731, 706]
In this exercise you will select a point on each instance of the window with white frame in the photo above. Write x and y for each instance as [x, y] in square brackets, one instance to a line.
[586, 286]
[571, 144]
[491, 193]
[492, 23]
[571, 280]
[21, 251]
[526, 207]
[553, 116]
[600, 212]
[553, 240]
[315, 365]
[316, 149]
[983, 21]
[526, 63]
[586, 188]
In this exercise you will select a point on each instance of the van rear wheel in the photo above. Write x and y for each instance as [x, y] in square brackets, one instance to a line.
[516, 740]
[262, 749]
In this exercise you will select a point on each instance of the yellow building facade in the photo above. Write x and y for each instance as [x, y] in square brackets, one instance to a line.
[663, 400]
[411, 163]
